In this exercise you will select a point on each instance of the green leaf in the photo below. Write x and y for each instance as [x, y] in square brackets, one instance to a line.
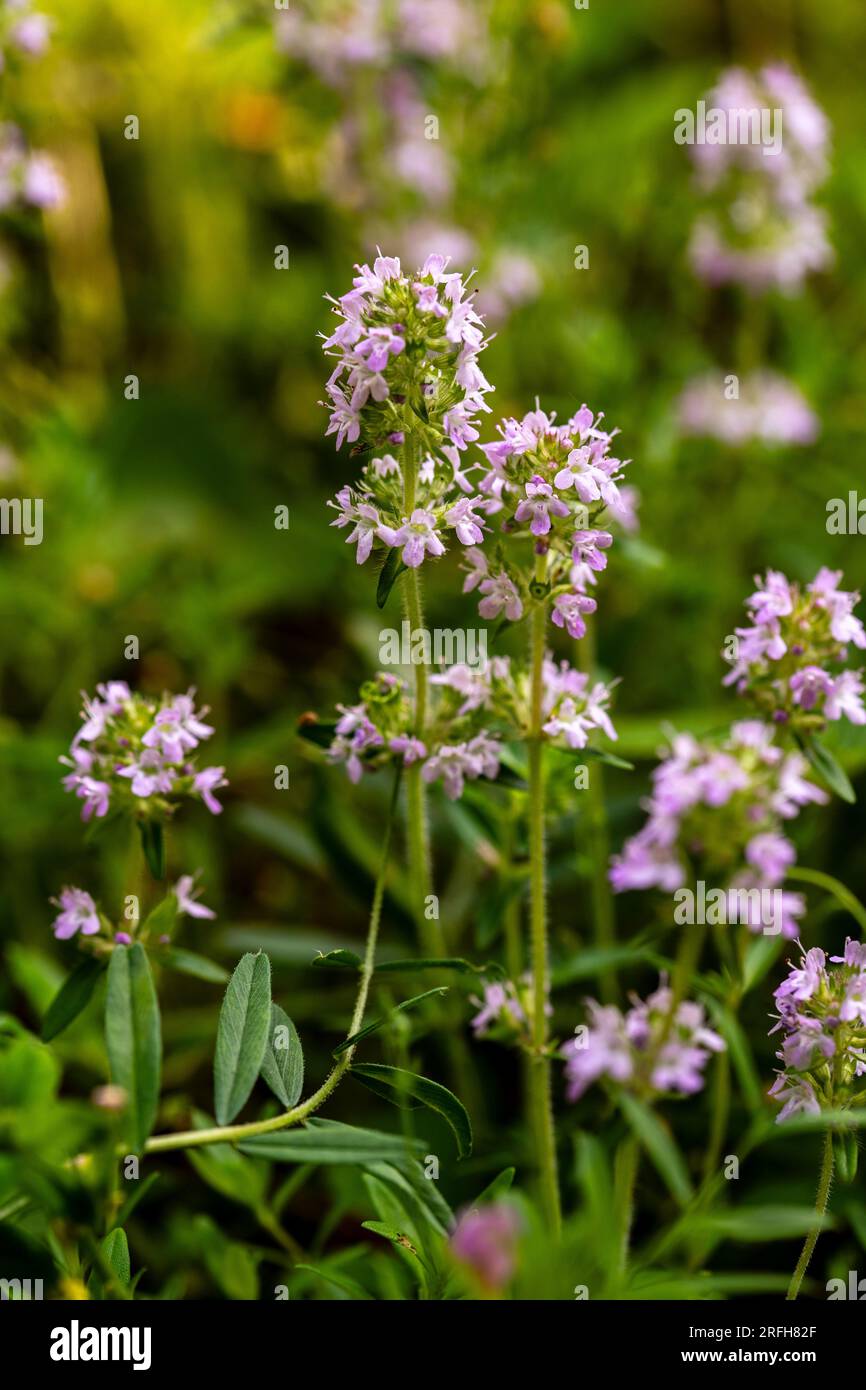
[740, 1054]
[594, 961]
[230, 1173]
[188, 963]
[73, 997]
[402, 1242]
[339, 1280]
[500, 1185]
[140, 1189]
[161, 920]
[340, 959]
[328, 1141]
[283, 1063]
[388, 576]
[755, 1224]
[661, 1147]
[761, 954]
[456, 963]
[242, 1035]
[602, 755]
[133, 1037]
[115, 1249]
[153, 846]
[396, 1085]
[827, 768]
[322, 735]
[380, 1022]
[843, 895]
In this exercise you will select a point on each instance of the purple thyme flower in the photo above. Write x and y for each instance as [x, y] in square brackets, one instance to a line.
[485, 1240]
[78, 913]
[186, 893]
[821, 1014]
[645, 1047]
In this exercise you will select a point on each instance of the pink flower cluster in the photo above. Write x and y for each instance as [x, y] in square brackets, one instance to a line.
[407, 352]
[135, 753]
[787, 661]
[822, 1016]
[23, 31]
[549, 484]
[79, 913]
[650, 1047]
[716, 813]
[26, 176]
[379, 730]
[767, 408]
[762, 232]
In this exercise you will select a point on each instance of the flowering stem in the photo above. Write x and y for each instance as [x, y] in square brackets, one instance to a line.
[539, 1073]
[420, 872]
[193, 1138]
[821, 1200]
[603, 917]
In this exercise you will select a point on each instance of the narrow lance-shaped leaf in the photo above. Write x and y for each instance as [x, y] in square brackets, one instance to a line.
[380, 1022]
[242, 1035]
[828, 769]
[660, 1146]
[72, 997]
[283, 1065]
[400, 1086]
[153, 846]
[133, 1037]
[328, 1141]
[388, 575]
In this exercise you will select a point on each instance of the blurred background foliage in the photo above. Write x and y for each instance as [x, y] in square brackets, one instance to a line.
[159, 512]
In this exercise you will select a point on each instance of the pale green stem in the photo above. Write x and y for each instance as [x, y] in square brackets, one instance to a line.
[821, 1200]
[193, 1138]
[420, 871]
[539, 1072]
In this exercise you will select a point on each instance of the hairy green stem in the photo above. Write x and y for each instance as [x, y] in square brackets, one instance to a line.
[541, 1102]
[824, 1180]
[193, 1138]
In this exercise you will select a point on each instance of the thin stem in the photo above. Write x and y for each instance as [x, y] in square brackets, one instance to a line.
[541, 1103]
[601, 896]
[420, 872]
[193, 1138]
[821, 1200]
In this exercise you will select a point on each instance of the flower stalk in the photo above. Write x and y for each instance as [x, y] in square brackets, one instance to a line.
[541, 1103]
[823, 1196]
[221, 1134]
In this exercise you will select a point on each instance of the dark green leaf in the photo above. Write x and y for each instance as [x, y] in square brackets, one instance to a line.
[462, 967]
[388, 575]
[827, 768]
[396, 1085]
[322, 735]
[656, 1138]
[72, 997]
[340, 959]
[327, 1141]
[242, 1035]
[283, 1064]
[153, 846]
[133, 1037]
[188, 963]
[380, 1022]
